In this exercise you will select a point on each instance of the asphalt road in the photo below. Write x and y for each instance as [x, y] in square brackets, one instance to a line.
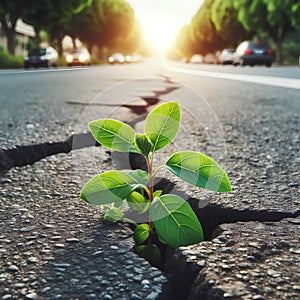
[245, 118]
[45, 105]
[229, 107]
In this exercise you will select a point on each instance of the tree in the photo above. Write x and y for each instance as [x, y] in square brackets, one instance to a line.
[53, 16]
[224, 17]
[276, 18]
[204, 35]
[183, 42]
[117, 21]
[86, 25]
[295, 15]
[10, 12]
[35, 16]
[107, 23]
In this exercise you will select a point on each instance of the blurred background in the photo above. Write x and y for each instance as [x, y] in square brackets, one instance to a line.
[119, 31]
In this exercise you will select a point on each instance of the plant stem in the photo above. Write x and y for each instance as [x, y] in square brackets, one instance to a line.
[151, 184]
[157, 170]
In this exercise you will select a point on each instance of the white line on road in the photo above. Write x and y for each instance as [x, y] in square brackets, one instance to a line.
[6, 72]
[266, 80]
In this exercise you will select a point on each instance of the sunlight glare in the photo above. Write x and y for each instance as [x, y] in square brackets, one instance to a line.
[162, 20]
[160, 35]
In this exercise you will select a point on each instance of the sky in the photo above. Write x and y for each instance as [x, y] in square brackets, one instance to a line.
[162, 19]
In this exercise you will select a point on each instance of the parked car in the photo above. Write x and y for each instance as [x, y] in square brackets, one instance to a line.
[79, 57]
[210, 58]
[41, 57]
[128, 58]
[226, 57]
[117, 58]
[136, 57]
[250, 53]
[196, 59]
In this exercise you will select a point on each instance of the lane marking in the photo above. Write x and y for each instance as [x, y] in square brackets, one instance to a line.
[7, 72]
[258, 79]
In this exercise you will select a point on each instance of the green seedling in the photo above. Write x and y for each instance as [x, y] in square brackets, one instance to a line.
[171, 218]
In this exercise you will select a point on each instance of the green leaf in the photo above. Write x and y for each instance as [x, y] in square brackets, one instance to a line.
[162, 124]
[161, 239]
[114, 215]
[199, 170]
[120, 204]
[140, 176]
[175, 221]
[130, 221]
[151, 253]
[141, 233]
[157, 193]
[143, 143]
[113, 134]
[108, 187]
[138, 202]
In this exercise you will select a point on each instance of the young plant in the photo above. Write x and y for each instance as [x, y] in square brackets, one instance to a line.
[170, 217]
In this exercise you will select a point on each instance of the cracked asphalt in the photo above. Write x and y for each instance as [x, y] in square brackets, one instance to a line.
[55, 247]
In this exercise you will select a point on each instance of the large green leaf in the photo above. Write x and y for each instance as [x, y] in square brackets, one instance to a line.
[199, 170]
[162, 124]
[141, 233]
[175, 221]
[108, 187]
[140, 176]
[113, 134]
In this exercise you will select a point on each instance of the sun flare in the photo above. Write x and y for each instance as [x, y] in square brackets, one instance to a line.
[162, 20]
[160, 35]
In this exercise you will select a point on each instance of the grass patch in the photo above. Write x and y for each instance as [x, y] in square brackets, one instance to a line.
[8, 61]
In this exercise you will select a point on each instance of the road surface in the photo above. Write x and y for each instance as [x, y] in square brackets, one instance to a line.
[245, 118]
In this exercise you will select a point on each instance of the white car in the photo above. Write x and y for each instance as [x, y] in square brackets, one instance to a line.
[79, 57]
[117, 58]
[226, 57]
[196, 59]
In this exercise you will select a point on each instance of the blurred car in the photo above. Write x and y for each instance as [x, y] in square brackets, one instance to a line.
[196, 59]
[128, 58]
[136, 57]
[79, 57]
[226, 57]
[117, 58]
[41, 57]
[250, 53]
[210, 58]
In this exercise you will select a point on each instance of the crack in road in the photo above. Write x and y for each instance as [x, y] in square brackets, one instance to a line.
[25, 155]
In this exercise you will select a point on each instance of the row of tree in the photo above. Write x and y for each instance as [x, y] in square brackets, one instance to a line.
[101, 23]
[219, 24]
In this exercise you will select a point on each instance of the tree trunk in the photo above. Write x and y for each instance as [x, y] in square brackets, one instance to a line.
[74, 43]
[59, 47]
[278, 42]
[37, 38]
[10, 36]
[279, 52]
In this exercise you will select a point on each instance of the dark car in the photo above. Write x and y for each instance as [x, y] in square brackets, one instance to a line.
[41, 57]
[250, 53]
[79, 57]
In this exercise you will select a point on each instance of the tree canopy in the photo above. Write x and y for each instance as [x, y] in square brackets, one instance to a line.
[219, 24]
[102, 23]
